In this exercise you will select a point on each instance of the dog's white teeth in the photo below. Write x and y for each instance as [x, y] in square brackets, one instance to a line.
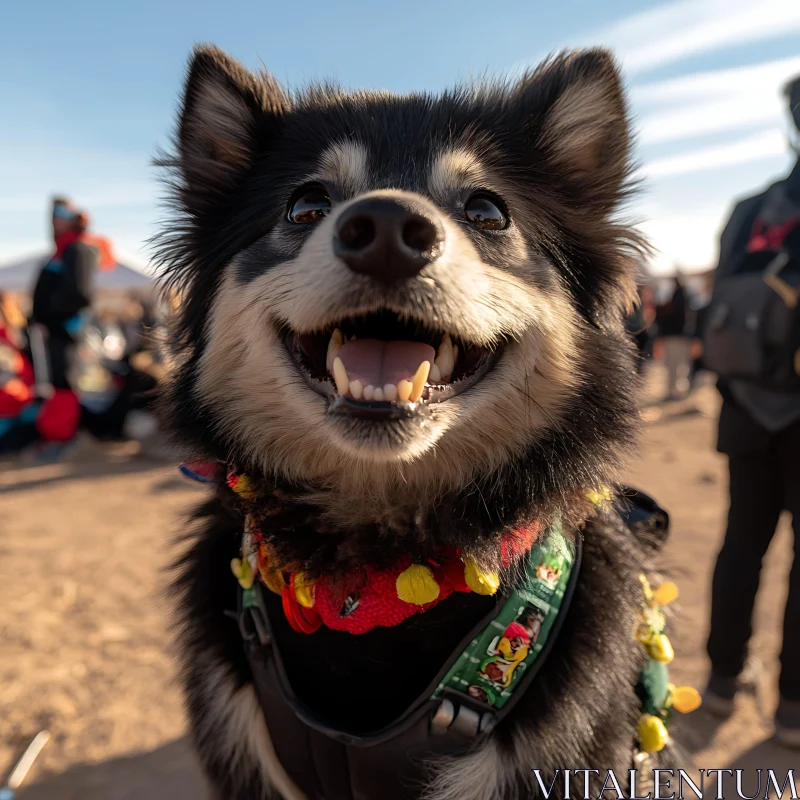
[334, 346]
[404, 390]
[445, 358]
[369, 393]
[418, 381]
[378, 396]
[356, 389]
[390, 392]
[435, 376]
[340, 376]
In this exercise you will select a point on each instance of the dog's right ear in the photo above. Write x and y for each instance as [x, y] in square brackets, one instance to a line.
[227, 114]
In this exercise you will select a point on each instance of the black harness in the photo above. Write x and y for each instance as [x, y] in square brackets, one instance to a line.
[330, 762]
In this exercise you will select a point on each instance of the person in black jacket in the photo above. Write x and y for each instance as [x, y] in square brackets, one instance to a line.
[63, 292]
[759, 431]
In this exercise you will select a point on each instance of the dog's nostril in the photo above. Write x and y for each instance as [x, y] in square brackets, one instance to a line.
[420, 234]
[357, 233]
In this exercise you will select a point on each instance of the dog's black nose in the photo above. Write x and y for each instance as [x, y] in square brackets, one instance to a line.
[387, 238]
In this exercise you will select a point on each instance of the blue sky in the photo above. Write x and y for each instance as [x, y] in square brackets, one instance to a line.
[88, 91]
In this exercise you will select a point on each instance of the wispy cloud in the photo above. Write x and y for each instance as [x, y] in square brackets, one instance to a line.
[675, 31]
[715, 101]
[759, 146]
[761, 77]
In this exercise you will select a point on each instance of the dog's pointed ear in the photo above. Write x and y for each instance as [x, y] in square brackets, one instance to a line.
[581, 120]
[227, 113]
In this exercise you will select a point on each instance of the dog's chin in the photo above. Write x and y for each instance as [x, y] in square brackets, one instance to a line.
[384, 441]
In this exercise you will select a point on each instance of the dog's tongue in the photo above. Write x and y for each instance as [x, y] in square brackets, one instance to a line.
[377, 363]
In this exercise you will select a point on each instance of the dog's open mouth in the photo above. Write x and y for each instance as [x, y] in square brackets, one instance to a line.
[382, 366]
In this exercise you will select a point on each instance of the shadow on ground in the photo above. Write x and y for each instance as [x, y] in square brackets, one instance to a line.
[170, 772]
[96, 460]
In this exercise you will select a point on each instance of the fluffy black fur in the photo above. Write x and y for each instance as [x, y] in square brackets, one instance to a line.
[229, 193]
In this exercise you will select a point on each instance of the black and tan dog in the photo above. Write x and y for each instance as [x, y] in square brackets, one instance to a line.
[401, 318]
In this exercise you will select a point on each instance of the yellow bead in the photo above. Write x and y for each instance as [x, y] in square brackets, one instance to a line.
[244, 573]
[652, 734]
[244, 488]
[685, 699]
[659, 648]
[417, 585]
[479, 580]
[303, 590]
[665, 593]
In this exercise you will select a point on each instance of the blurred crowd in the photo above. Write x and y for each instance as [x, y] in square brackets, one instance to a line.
[668, 326]
[67, 367]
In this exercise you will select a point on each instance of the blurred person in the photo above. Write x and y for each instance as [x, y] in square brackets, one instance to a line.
[759, 431]
[672, 330]
[63, 291]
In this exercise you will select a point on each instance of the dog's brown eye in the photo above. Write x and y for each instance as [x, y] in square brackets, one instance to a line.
[484, 212]
[310, 204]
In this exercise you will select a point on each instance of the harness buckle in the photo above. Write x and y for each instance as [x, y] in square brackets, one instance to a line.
[463, 721]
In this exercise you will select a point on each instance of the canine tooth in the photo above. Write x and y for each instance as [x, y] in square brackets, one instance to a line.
[418, 381]
[444, 358]
[334, 346]
[390, 392]
[369, 393]
[379, 394]
[435, 376]
[356, 389]
[340, 376]
[404, 390]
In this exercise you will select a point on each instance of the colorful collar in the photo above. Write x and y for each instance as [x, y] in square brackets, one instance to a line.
[369, 597]
[372, 597]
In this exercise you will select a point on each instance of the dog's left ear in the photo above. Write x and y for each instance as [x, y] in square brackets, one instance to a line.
[580, 120]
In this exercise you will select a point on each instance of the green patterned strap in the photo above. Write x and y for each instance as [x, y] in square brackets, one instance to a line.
[494, 663]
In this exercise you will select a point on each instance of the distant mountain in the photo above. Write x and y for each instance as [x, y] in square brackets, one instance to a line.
[21, 275]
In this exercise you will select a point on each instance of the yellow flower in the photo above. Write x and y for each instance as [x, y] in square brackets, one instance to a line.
[652, 733]
[599, 497]
[417, 585]
[479, 580]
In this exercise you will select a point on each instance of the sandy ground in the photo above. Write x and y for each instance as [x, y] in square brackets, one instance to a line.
[84, 627]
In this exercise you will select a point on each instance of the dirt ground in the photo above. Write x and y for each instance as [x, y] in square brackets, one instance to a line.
[84, 624]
